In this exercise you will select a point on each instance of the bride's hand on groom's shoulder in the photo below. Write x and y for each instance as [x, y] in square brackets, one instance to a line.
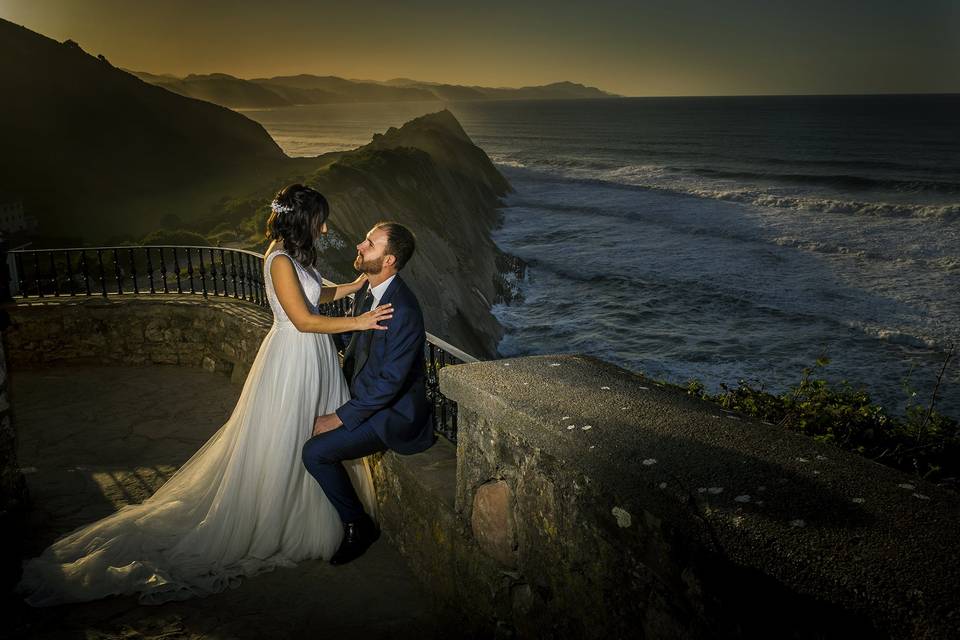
[372, 318]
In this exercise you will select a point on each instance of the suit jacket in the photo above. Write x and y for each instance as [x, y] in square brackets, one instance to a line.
[386, 373]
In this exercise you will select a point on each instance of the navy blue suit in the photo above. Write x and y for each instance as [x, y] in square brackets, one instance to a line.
[389, 407]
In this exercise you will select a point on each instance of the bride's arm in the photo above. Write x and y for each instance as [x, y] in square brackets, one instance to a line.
[337, 291]
[290, 296]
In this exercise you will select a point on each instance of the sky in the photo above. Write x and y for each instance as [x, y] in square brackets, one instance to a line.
[634, 48]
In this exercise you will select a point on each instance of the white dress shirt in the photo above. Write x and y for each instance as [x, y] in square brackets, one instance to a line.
[379, 290]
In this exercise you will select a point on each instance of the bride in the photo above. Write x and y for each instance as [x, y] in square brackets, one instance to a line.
[243, 504]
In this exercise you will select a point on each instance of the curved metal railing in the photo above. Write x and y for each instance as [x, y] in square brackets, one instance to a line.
[181, 269]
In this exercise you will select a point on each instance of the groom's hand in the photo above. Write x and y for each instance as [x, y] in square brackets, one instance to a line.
[329, 422]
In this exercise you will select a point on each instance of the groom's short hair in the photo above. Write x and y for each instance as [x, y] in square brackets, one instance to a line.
[401, 242]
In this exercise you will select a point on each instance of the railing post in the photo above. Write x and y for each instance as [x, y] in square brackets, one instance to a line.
[117, 271]
[73, 285]
[53, 276]
[176, 267]
[85, 270]
[243, 279]
[36, 274]
[133, 272]
[233, 276]
[203, 273]
[103, 277]
[190, 270]
[223, 272]
[150, 271]
[213, 272]
[163, 271]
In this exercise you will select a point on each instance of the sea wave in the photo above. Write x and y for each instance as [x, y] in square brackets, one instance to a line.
[839, 181]
[673, 180]
[943, 212]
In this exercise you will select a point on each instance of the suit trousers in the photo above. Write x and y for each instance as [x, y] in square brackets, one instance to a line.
[322, 456]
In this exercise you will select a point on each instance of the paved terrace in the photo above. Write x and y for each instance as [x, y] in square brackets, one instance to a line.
[95, 438]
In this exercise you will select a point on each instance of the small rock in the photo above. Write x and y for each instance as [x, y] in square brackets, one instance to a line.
[921, 496]
[907, 486]
[715, 491]
[650, 462]
[743, 498]
[622, 516]
[605, 388]
[570, 427]
[857, 500]
[586, 427]
[662, 485]
[798, 523]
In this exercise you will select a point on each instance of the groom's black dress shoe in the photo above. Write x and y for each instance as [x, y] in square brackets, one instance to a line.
[357, 538]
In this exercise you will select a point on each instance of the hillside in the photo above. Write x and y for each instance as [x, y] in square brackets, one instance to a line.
[93, 150]
[309, 89]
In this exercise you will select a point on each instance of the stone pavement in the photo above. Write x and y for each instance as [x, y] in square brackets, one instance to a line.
[95, 438]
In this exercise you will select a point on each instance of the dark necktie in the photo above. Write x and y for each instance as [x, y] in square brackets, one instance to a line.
[351, 359]
[367, 303]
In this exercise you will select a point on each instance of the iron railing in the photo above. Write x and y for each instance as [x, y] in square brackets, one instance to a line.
[206, 271]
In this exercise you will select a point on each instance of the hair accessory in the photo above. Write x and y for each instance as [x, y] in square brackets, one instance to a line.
[278, 207]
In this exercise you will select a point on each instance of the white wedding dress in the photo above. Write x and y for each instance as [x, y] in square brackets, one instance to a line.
[242, 505]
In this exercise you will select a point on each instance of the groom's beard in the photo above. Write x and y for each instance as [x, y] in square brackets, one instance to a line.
[371, 267]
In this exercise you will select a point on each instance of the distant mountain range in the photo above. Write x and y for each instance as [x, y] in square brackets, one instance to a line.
[238, 93]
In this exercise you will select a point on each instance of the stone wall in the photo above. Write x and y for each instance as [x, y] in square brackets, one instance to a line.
[218, 334]
[612, 507]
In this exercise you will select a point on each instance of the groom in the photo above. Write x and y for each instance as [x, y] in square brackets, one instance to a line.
[385, 371]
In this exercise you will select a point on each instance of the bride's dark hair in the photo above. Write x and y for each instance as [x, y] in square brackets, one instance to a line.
[297, 213]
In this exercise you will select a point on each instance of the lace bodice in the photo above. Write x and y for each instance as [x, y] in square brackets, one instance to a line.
[310, 282]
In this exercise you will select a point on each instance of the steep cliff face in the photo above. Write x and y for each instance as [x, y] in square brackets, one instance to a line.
[429, 176]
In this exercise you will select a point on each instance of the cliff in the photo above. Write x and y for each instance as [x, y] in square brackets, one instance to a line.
[430, 176]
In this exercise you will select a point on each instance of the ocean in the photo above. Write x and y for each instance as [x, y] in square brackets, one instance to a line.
[719, 239]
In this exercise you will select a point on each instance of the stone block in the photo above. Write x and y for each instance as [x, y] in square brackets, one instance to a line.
[492, 522]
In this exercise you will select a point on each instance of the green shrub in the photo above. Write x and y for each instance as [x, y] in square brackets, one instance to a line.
[922, 441]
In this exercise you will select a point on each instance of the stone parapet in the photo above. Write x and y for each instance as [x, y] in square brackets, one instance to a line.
[218, 334]
[614, 507]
